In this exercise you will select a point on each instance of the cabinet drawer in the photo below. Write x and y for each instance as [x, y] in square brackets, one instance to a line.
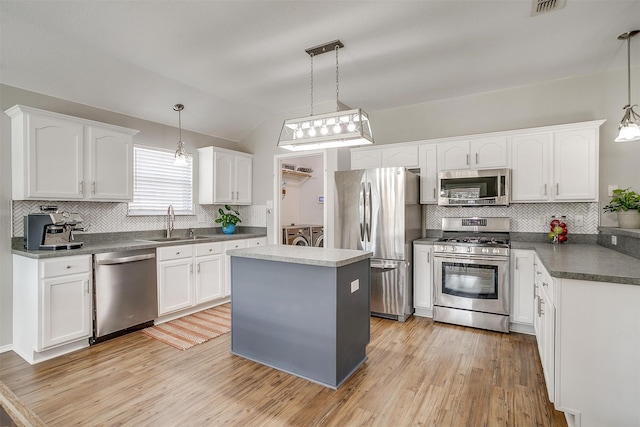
[66, 265]
[258, 241]
[208, 248]
[175, 252]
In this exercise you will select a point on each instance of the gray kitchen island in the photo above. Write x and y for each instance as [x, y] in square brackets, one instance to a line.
[302, 310]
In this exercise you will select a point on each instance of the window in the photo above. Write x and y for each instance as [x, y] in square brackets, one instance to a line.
[158, 183]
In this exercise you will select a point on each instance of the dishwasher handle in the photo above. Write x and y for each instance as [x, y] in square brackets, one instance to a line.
[126, 259]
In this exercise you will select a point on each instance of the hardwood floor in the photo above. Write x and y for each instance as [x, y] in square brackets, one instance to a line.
[418, 373]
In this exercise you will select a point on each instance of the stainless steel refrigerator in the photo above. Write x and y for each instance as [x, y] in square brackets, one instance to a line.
[378, 210]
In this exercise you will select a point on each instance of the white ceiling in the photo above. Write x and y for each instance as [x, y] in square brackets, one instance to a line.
[235, 63]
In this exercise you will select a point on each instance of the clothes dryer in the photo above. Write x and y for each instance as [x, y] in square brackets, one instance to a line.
[296, 235]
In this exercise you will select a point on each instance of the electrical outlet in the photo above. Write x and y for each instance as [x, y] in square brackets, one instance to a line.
[355, 285]
[579, 221]
[614, 240]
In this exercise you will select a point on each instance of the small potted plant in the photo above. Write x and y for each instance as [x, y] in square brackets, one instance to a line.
[626, 203]
[228, 219]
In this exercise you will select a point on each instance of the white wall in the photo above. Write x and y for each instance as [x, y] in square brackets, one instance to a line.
[591, 97]
[300, 205]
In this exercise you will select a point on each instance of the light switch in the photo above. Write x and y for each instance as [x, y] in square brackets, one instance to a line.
[355, 285]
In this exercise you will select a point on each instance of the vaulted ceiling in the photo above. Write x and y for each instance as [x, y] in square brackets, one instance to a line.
[235, 63]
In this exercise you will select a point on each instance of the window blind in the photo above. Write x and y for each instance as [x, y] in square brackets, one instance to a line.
[158, 183]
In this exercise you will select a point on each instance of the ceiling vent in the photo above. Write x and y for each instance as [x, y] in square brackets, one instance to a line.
[538, 7]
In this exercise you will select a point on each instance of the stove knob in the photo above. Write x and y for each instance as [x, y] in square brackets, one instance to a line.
[485, 250]
[468, 248]
[496, 251]
[453, 248]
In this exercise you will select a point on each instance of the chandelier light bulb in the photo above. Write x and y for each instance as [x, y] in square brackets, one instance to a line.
[351, 127]
[337, 128]
[299, 133]
[312, 132]
[324, 130]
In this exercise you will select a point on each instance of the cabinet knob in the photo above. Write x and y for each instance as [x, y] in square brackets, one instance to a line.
[68, 267]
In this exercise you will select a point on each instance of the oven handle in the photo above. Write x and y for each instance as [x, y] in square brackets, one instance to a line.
[472, 257]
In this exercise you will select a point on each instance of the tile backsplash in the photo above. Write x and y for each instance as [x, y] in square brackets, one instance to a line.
[525, 217]
[105, 217]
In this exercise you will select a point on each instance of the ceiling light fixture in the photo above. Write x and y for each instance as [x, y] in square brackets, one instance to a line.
[181, 154]
[346, 127]
[628, 129]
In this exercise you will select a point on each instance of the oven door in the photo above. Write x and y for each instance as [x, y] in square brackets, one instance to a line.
[470, 282]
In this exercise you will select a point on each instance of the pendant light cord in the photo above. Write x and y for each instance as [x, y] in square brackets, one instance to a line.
[311, 55]
[337, 84]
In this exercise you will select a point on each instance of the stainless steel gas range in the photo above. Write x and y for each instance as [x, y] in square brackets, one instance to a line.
[471, 273]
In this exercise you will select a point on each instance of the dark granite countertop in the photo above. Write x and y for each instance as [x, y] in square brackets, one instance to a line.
[115, 242]
[580, 261]
[585, 262]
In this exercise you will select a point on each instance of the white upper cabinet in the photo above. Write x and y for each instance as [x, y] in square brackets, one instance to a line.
[225, 176]
[110, 164]
[366, 159]
[530, 167]
[556, 166]
[58, 157]
[474, 153]
[427, 157]
[403, 156]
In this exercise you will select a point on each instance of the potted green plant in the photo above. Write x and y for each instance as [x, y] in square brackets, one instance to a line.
[626, 203]
[228, 219]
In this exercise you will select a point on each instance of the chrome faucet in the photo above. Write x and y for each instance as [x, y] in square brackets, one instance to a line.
[170, 220]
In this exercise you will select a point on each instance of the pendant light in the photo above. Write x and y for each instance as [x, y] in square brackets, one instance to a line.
[628, 129]
[181, 154]
[345, 127]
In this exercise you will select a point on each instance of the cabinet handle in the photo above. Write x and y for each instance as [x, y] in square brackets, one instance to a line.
[86, 287]
[434, 192]
[198, 268]
[538, 273]
[545, 189]
[517, 263]
[68, 267]
[557, 189]
[545, 284]
[467, 160]
[476, 158]
[540, 310]
[81, 187]
[93, 187]
[210, 249]
[191, 269]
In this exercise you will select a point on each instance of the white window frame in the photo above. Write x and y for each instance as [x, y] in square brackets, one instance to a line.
[158, 183]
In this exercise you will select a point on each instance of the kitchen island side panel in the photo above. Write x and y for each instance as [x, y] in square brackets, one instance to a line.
[298, 319]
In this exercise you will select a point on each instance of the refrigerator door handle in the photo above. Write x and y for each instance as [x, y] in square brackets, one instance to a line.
[363, 218]
[368, 223]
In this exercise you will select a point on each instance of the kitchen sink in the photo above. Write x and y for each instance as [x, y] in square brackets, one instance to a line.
[176, 239]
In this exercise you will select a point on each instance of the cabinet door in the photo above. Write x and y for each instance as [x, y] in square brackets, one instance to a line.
[110, 165]
[428, 173]
[522, 278]
[530, 167]
[209, 278]
[366, 159]
[243, 167]
[175, 285]
[453, 155]
[223, 181]
[422, 279]
[234, 244]
[575, 165]
[491, 152]
[400, 157]
[65, 310]
[55, 159]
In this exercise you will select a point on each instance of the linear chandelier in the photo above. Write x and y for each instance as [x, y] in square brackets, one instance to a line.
[346, 127]
[628, 129]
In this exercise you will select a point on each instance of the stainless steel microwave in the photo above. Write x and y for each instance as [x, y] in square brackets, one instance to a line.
[474, 187]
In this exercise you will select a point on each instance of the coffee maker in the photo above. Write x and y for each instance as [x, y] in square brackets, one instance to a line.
[51, 230]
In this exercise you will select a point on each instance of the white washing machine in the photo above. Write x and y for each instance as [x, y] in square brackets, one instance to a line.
[296, 235]
[317, 236]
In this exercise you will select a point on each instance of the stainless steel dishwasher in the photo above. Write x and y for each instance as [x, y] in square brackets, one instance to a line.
[125, 292]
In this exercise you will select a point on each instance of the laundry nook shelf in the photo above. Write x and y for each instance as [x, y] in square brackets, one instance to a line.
[295, 174]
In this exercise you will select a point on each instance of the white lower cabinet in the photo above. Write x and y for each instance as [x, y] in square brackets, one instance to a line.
[522, 281]
[189, 275]
[545, 324]
[52, 310]
[423, 279]
[237, 244]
